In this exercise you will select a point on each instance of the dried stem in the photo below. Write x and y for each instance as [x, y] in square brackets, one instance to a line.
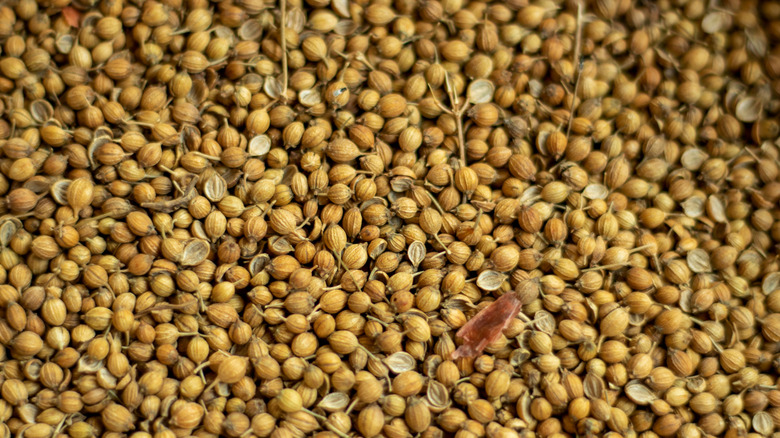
[161, 307]
[436, 203]
[436, 101]
[457, 111]
[577, 64]
[578, 38]
[436, 238]
[284, 48]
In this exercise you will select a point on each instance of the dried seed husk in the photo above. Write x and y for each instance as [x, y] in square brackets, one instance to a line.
[195, 252]
[490, 280]
[694, 206]
[595, 191]
[400, 362]
[438, 396]
[699, 261]
[715, 209]
[639, 393]
[235, 185]
[594, 386]
[416, 253]
[480, 91]
[748, 109]
[9, 226]
[715, 22]
[215, 188]
[770, 283]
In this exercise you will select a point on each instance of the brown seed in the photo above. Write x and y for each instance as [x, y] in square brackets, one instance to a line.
[342, 150]
[455, 51]
[614, 322]
[187, 416]
[417, 415]
[292, 187]
[370, 421]
[391, 105]
[117, 418]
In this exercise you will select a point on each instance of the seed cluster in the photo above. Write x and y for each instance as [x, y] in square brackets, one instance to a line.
[253, 218]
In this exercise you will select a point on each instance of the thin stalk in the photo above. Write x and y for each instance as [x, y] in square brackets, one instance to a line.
[372, 318]
[315, 415]
[457, 110]
[640, 248]
[436, 203]
[436, 237]
[89, 219]
[598, 268]
[577, 64]
[346, 269]
[324, 419]
[284, 48]
[208, 157]
[161, 307]
[351, 406]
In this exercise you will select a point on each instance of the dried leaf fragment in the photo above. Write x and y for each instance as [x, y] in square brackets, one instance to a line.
[486, 327]
[71, 16]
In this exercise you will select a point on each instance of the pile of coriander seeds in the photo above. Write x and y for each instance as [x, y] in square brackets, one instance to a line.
[254, 218]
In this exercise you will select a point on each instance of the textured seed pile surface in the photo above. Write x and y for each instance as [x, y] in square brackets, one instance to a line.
[254, 218]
